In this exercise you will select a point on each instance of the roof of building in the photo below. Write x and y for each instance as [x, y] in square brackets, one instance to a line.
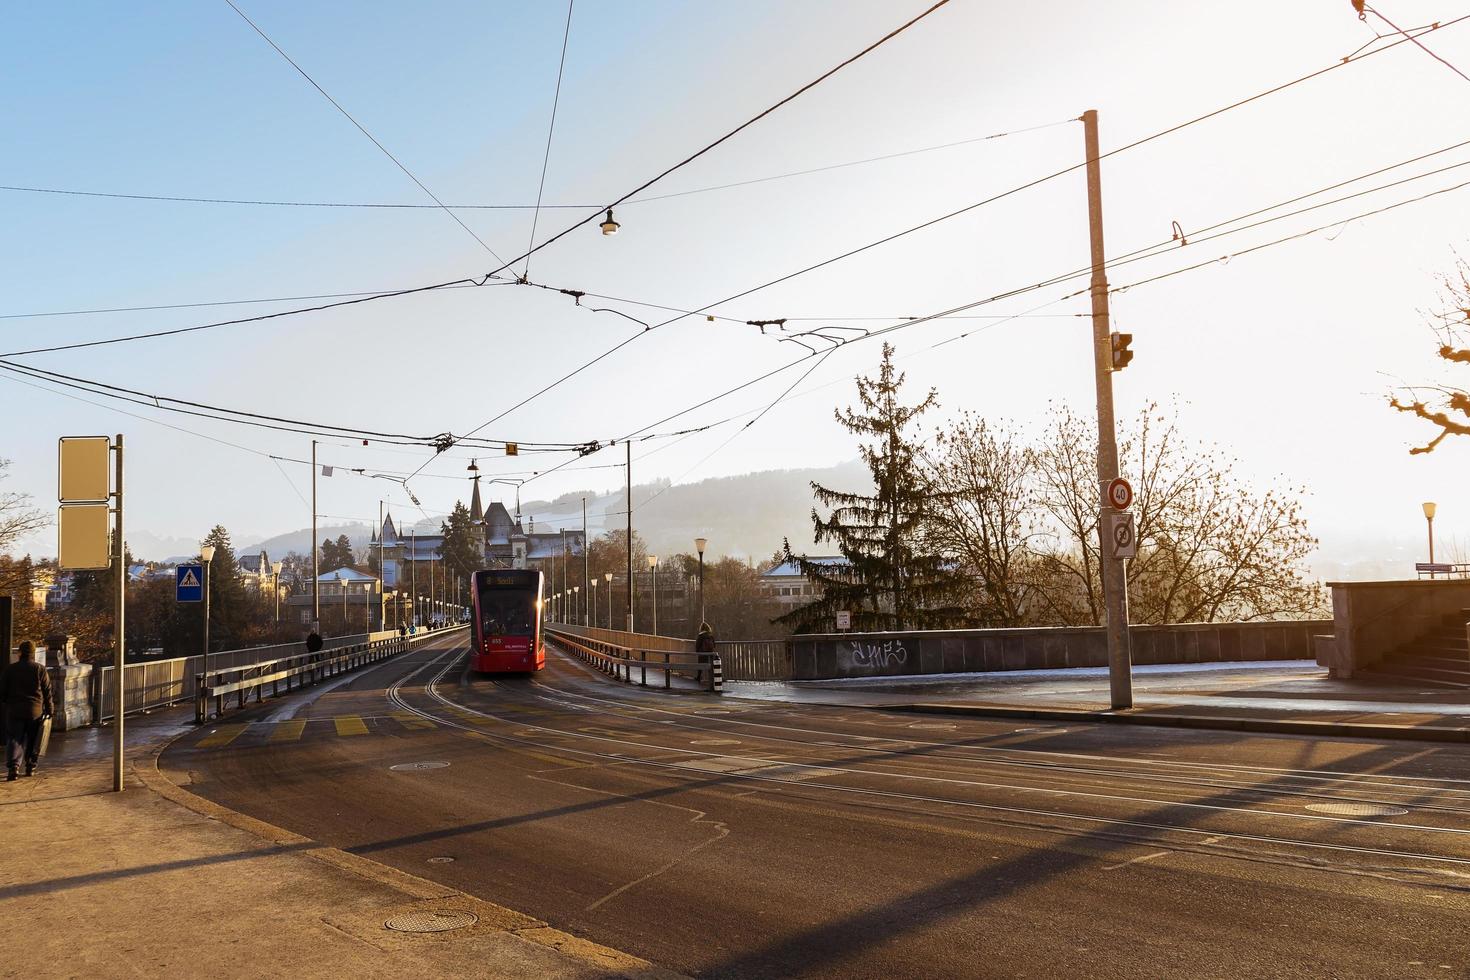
[258, 563]
[790, 569]
[349, 573]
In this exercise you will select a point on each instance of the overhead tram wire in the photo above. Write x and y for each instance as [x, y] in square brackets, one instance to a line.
[403, 206]
[660, 176]
[361, 129]
[297, 311]
[550, 132]
[1352, 59]
[945, 217]
[1414, 37]
[469, 284]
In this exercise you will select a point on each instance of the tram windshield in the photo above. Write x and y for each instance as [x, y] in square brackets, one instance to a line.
[506, 613]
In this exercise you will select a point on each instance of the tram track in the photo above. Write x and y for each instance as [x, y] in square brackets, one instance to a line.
[1211, 841]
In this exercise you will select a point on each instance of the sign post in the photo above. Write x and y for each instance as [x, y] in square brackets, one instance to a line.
[86, 497]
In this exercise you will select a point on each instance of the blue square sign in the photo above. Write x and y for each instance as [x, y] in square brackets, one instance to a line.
[189, 583]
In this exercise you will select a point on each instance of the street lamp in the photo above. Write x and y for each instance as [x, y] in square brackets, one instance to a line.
[699, 544]
[592, 604]
[608, 577]
[609, 227]
[206, 552]
[576, 597]
[653, 573]
[1429, 508]
[276, 567]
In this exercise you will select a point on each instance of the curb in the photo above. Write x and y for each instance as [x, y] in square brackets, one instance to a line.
[498, 917]
[1231, 723]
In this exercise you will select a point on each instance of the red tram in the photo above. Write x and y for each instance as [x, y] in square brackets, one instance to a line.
[505, 610]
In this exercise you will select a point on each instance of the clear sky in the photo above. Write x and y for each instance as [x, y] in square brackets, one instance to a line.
[1283, 357]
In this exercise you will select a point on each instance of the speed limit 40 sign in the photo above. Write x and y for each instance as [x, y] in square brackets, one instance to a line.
[1119, 493]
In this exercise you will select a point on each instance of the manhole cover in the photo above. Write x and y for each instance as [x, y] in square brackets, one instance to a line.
[715, 741]
[431, 921]
[1358, 809]
[418, 766]
[441, 860]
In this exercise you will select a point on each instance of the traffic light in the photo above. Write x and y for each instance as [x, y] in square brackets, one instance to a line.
[1121, 354]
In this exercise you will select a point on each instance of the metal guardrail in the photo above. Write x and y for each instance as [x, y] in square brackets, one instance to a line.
[296, 671]
[152, 684]
[756, 660]
[618, 657]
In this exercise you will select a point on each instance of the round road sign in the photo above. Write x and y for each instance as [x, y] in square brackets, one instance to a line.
[1120, 493]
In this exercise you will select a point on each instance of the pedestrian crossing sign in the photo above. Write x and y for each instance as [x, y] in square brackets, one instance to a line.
[189, 583]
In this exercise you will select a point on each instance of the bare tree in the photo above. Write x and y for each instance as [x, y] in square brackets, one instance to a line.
[17, 517]
[1445, 405]
[1210, 546]
[984, 515]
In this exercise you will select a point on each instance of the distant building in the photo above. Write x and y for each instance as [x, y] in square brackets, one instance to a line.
[255, 571]
[788, 586]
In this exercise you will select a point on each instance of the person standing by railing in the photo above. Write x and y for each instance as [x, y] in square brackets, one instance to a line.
[25, 694]
[705, 641]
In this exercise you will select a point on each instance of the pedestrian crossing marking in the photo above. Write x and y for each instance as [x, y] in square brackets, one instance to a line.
[288, 731]
[412, 721]
[350, 725]
[222, 736]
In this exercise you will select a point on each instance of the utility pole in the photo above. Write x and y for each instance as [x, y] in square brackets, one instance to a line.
[119, 635]
[629, 446]
[1114, 572]
[413, 574]
[586, 566]
[316, 599]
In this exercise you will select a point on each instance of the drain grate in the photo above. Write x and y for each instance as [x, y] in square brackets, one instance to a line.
[430, 921]
[1358, 809]
[418, 766]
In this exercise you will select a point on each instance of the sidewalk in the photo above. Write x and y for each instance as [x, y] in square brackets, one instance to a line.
[156, 881]
[1295, 697]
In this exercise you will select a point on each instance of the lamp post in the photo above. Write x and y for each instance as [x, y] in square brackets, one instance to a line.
[592, 604]
[608, 577]
[206, 552]
[699, 544]
[276, 567]
[653, 574]
[576, 598]
[1429, 508]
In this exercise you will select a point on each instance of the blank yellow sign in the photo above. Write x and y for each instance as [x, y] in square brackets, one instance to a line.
[82, 529]
[82, 470]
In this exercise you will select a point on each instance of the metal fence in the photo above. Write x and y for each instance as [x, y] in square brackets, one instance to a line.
[618, 654]
[160, 683]
[756, 660]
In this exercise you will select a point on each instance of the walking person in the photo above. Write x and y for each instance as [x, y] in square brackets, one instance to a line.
[25, 699]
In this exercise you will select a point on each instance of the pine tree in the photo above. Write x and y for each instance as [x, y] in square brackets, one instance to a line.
[887, 583]
[462, 549]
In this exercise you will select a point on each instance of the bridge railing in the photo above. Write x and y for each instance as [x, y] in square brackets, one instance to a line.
[297, 670]
[618, 653]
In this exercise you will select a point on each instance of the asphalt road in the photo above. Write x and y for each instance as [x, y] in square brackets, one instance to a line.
[728, 838]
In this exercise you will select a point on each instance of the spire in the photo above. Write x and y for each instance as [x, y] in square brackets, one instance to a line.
[477, 512]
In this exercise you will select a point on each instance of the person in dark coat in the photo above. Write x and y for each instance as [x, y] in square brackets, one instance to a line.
[705, 641]
[25, 698]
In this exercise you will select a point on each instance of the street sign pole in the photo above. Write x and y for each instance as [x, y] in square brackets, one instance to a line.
[1114, 573]
[119, 607]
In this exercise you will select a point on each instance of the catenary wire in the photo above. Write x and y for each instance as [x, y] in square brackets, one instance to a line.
[550, 132]
[361, 129]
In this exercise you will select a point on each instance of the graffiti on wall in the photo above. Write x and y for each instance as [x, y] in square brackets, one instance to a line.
[876, 655]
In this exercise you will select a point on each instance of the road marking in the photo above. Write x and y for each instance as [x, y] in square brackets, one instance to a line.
[222, 736]
[288, 731]
[349, 725]
[411, 721]
[1137, 860]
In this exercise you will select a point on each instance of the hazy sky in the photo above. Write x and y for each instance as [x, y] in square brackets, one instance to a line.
[1283, 357]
